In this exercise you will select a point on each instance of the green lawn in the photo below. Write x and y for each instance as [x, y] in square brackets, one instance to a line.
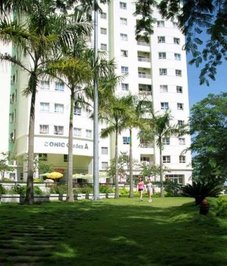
[168, 231]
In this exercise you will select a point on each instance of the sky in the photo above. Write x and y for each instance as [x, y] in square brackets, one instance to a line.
[199, 92]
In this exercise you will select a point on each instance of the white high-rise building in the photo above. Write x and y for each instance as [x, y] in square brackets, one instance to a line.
[156, 70]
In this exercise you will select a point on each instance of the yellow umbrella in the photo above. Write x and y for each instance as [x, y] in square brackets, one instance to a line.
[54, 175]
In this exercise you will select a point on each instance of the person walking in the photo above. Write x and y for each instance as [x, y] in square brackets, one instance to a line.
[149, 187]
[140, 187]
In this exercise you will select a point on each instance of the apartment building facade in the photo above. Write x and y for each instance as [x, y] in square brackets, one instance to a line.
[156, 71]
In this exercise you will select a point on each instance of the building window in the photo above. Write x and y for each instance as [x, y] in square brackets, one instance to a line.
[144, 159]
[160, 23]
[104, 165]
[77, 110]
[88, 133]
[161, 39]
[124, 70]
[123, 5]
[124, 37]
[176, 40]
[177, 56]
[103, 31]
[43, 157]
[162, 71]
[88, 112]
[178, 179]
[58, 108]
[181, 141]
[43, 129]
[179, 89]
[180, 106]
[182, 159]
[166, 141]
[44, 107]
[77, 131]
[175, 25]
[124, 53]
[123, 21]
[45, 85]
[178, 73]
[166, 159]
[163, 88]
[59, 86]
[65, 158]
[104, 150]
[164, 105]
[103, 47]
[126, 140]
[124, 86]
[58, 130]
[103, 15]
[162, 55]
[180, 122]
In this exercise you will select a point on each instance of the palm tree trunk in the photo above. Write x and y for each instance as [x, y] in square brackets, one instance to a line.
[116, 166]
[70, 196]
[131, 194]
[29, 198]
[161, 171]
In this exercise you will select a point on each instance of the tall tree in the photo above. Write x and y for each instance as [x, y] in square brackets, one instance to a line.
[40, 34]
[158, 127]
[115, 114]
[208, 125]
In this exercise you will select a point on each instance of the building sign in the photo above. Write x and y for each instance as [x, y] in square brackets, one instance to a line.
[59, 144]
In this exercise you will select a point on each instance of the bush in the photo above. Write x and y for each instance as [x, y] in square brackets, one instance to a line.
[222, 207]
[123, 192]
[202, 189]
[106, 189]
[172, 189]
[17, 189]
[60, 189]
[2, 190]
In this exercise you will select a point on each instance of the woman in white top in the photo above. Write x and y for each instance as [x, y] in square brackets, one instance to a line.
[149, 189]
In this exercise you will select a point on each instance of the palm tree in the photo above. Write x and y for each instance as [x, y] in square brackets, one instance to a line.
[158, 127]
[40, 34]
[116, 113]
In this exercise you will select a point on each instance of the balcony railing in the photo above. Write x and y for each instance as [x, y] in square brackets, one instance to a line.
[143, 75]
[143, 43]
[143, 59]
[146, 145]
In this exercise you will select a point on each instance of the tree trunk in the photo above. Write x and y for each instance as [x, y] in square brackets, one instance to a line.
[131, 194]
[116, 166]
[29, 198]
[70, 196]
[161, 171]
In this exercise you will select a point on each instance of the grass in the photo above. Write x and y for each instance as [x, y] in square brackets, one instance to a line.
[166, 232]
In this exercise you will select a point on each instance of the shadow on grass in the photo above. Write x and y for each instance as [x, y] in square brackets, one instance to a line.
[111, 232]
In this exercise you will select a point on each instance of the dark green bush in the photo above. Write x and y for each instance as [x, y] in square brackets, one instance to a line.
[172, 189]
[202, 189]
[60, 189]
[2, 189]
[106, 189]
[222, 207]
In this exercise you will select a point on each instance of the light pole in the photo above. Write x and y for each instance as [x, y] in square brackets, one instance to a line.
[95, 125]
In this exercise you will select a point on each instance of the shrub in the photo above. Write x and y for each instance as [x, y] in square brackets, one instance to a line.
[106, 189]
[37, 190]
[202, 189]
[17, 189]
[222, 207]
[37, 180]
[60, 189]
[2, 189]
[123, 192]
[173, 189]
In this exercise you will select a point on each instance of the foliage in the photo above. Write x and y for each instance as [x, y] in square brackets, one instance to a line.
[208, 124]
[21, 190]
[123, 161]
[2, 189]
[222, 207]
[172, 189]
[59, 189]
[37, 180]
[106, 189]
[202, 189]
[124, 192]
[4, 167]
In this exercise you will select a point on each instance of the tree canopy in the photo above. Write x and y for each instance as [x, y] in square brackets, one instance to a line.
[208, 125]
